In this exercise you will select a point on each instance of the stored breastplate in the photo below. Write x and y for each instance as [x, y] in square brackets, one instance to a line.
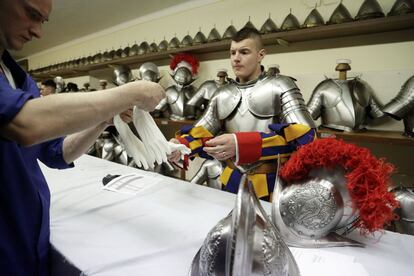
[177, 99]
[345, 103]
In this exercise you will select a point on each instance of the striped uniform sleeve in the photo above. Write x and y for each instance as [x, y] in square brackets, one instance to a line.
[281, 141]
[194, 138]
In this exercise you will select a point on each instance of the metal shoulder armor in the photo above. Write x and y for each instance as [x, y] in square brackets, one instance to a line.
[264, 101]
[172, 94]
[227, 98]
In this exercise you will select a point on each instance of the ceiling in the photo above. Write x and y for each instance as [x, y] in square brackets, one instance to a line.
[72, 19]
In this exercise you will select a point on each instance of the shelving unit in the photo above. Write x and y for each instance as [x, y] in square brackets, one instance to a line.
[371, 136]
[365, 32]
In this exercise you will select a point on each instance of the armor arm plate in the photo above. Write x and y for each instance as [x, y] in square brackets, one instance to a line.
[315, 104]
[210, 119]
[162, 105]
[294, 109]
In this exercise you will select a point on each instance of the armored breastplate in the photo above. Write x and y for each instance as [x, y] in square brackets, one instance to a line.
[254, 105]
[242, 119]
[177, 99]
[344, 104]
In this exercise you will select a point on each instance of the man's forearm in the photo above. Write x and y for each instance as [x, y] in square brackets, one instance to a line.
[77, 144]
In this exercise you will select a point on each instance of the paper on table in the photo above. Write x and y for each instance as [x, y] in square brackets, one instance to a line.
[322, 263]
[318, 256]
[131, 184]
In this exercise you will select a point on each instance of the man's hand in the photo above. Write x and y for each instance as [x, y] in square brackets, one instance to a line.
[222, 147]
[147, 94]
[175, 156]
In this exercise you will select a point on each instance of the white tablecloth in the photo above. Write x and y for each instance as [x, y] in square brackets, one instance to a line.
[159, 230]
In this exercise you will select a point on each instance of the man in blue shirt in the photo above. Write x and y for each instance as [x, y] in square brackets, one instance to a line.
[30, 130]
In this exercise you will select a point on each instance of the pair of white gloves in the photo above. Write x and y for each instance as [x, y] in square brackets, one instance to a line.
[153, 148]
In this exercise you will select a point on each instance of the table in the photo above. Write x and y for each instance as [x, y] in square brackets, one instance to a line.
[159, 230]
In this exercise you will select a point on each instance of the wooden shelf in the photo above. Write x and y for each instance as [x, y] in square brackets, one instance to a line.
[365, 32]
[370, 136]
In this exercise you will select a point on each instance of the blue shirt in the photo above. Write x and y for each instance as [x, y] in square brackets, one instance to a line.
[24, 194]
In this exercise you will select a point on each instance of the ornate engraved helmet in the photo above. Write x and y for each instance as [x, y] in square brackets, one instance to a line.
[340, 15]
[244, 243]
[290, 23]
[149, 71]
[326, 189]
[184, 67]
[314, 19]
[369, 9]
[401, 7]
[269, 26]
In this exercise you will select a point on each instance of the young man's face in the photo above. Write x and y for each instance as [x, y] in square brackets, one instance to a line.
[21, 20]
[245, 59]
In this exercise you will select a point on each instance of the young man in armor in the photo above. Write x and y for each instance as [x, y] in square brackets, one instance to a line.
[250, 122]
[30, 127]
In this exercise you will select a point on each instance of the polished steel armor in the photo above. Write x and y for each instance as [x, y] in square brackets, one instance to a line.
[204, 94]
[314, 19]
[122, 74]
[343, 104]
[405, 197]
[149, 71]
[209, 173]
[244, 243]
[340, 15]
[316, 211]
[178, 94]
[253, 106]
[402, 107]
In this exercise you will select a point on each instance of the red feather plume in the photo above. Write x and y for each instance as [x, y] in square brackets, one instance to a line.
[188, 58]
[367, 178]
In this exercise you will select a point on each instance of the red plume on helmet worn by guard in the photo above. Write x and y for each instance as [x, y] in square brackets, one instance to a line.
[367, 178]
[187, 60]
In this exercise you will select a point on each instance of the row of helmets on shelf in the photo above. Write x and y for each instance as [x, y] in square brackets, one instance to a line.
[368, 10]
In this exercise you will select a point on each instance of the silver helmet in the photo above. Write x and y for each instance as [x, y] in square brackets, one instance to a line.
[402, 7]
[340, 15]
[405, 223]
[163, 46]
[269, 26]
[244, 243]
[174, 43]
[149, 71]
[330, 188]
[230, 32]
[213, 35]
[122, 74]
[186, 41]
[153, 48]
[290, 23]
[199, 38]
[314, 19]
[369, 9]
[143, 48]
